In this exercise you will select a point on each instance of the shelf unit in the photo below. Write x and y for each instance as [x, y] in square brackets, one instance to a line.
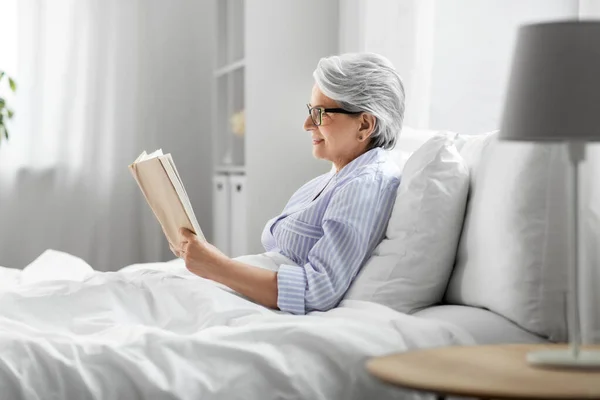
[230, 68]
[264, 52]
[228, 88]
[230, 169]
[229, 204]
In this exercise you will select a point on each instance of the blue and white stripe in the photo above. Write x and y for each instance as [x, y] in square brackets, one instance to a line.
[331, 237]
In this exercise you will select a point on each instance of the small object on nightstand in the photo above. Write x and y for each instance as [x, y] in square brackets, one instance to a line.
[485, 372]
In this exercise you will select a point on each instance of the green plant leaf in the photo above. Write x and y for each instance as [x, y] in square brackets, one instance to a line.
[12, 84]
[2, 103]
[10, 112]
[1, 75]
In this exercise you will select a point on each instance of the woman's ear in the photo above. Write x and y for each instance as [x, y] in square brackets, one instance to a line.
[367, 126]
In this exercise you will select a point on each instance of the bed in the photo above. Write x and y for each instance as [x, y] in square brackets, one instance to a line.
[157, 331]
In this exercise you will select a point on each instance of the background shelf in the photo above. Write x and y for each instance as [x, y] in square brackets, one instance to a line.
[229, 189]
[230, 169]
[230, 32]
[230, 68]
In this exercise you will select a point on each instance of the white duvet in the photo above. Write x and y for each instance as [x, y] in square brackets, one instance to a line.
[157, 331]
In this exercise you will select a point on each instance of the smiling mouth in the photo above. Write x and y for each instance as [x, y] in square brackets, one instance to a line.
[317, 141]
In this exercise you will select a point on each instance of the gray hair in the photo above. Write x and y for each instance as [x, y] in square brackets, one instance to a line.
[366, 82]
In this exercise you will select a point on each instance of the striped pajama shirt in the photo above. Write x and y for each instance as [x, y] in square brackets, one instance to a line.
[329, 229]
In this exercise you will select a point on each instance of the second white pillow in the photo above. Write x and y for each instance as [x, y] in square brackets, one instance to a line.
[410, 268]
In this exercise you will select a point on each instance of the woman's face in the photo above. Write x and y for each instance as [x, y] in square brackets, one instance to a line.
[341, 137]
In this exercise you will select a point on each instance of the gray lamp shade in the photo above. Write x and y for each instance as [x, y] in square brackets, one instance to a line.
[554, 87]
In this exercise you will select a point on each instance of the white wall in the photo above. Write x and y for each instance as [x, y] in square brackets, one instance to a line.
[284, 41]
[589, 9]
[351, 30]
[473, 47]
[401, 30]
[453, 55]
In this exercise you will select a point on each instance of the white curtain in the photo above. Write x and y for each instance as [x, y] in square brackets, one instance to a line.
[99, 81]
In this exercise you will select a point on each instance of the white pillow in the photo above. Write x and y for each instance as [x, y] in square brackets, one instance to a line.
[409, 141]
[410, 268]
[512, 253]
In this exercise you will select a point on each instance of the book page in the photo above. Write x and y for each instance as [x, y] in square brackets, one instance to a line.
[176, 173]
[140, 157]
[168, 165]
[145, 156]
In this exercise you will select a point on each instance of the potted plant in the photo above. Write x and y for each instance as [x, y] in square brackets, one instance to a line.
[5, 112]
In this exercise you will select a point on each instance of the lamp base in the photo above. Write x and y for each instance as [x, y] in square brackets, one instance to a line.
[586, 359]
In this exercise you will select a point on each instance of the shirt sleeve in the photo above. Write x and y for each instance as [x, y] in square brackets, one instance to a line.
[335, 259]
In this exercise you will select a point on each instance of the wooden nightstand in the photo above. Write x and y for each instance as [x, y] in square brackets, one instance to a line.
[486, 372]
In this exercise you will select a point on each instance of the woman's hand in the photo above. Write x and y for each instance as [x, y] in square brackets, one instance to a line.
[206, 261]
[201, 258]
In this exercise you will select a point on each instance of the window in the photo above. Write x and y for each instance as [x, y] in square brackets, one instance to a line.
[8, 36]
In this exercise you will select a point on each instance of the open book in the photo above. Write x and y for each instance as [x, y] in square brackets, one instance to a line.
[163, 189]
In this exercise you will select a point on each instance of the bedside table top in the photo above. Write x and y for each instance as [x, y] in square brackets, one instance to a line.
[499, 372]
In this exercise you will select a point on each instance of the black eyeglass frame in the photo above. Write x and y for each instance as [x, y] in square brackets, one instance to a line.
[323, 110]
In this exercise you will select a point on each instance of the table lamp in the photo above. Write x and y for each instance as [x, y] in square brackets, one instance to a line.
[554, 96]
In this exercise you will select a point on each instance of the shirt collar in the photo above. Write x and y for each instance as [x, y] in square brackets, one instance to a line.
[364, 159]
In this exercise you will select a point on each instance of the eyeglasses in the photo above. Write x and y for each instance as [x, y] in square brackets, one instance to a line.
[316, 113]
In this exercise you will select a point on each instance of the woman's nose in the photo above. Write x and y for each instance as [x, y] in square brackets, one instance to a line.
[308, 124]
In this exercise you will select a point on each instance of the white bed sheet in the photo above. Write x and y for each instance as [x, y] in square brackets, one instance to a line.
[157, 331]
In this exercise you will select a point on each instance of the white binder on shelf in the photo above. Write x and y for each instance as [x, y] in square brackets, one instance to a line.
[237, 187]
[221, 212]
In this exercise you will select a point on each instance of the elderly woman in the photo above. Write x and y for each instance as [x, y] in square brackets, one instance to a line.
[331, 225]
